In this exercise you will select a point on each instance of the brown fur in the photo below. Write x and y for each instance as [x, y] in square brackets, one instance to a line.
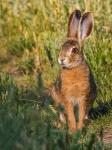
[77, 82]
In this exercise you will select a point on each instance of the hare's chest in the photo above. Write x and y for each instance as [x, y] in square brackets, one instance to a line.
[71, 80]
[74, 85]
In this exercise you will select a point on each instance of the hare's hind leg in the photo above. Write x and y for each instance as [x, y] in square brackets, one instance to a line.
[70, 116]
[55, 95]
[62, 117]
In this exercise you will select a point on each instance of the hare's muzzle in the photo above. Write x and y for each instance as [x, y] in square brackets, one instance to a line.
[62, 61]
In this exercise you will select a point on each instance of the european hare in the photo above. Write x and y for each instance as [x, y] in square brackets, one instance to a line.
[77, 82]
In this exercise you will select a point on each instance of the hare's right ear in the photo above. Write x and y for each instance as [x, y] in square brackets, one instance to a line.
[73, 24]
[86, 26]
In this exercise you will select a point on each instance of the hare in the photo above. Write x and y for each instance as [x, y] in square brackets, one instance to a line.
[77, 82]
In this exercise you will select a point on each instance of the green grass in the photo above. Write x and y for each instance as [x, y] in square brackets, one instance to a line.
[31, 32]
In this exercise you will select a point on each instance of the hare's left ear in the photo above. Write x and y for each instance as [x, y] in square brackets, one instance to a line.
[86, 26]
[73, 24]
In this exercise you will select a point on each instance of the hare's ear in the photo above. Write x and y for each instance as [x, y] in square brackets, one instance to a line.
[86, 25]
[73, 24]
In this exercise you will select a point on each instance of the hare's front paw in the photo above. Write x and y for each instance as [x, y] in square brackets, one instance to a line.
[73, 128]
[80, 126]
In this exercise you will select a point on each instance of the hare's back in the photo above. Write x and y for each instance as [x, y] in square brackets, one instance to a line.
[93, 87]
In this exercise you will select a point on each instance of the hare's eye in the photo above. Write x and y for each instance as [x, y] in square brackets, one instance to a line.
[74, 50]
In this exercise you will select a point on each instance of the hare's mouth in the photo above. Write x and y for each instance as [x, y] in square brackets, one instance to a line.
[68, 65]
[65, 65]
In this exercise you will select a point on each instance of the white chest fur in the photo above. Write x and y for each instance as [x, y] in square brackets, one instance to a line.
[75, 100]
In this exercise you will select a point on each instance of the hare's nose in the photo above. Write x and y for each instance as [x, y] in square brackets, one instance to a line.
[62, 60]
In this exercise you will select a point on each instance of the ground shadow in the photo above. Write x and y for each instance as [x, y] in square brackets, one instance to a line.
[101, 110]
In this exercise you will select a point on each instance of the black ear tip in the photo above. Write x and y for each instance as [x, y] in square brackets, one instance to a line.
[77, 13]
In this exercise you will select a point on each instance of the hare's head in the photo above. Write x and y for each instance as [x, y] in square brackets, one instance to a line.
[79, 28]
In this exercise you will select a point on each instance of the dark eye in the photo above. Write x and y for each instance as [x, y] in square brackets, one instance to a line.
[75, 50]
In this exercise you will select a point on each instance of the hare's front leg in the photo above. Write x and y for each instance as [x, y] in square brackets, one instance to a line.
[70, 116]
[83, 109]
